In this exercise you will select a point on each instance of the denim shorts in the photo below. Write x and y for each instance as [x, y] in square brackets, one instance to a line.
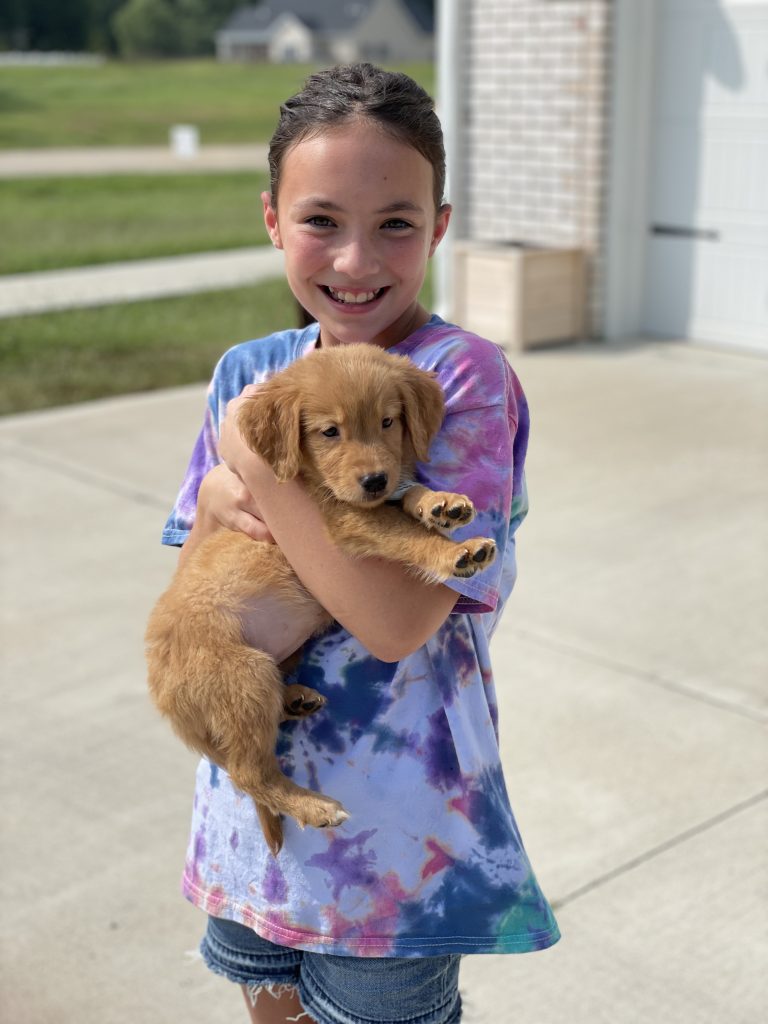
[338, 989]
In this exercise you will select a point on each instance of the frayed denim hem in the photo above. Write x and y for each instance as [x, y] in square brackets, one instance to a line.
[274, 988]
[275, 985]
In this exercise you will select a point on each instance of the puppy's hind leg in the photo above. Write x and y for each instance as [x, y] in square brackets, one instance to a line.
[251, 703]
[298, 702]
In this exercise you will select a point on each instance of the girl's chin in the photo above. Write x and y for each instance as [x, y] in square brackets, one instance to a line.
[338, 327]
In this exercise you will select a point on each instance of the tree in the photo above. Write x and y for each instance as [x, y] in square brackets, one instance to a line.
[169, 28]
[147, 28]
[44, 24]
[101, 37]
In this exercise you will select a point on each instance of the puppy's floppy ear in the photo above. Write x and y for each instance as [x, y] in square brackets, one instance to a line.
[423, 407]
[270, 423]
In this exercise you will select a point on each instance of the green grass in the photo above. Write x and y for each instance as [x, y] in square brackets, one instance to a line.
[70, 222]
[122, 103]
[61, 358]
[79, 355]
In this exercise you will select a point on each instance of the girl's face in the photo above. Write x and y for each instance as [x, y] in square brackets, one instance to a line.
[356, 219]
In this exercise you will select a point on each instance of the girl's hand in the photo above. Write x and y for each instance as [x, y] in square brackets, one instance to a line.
[225, 501]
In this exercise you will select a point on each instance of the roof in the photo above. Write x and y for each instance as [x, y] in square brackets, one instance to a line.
[328, 16]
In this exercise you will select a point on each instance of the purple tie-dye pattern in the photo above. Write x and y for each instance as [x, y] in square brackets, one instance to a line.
[431, 860]
[345, 862]
[275, 887]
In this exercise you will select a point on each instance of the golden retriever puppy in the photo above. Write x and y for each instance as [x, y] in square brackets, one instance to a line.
[351, 421]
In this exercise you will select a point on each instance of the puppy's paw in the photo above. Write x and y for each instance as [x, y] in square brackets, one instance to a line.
[301, 701]
[445, 511]
[474, 555]
[321, 812]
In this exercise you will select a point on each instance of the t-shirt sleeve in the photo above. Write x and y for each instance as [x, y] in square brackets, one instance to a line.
[480, 451]
[246, 363]
[204, 457]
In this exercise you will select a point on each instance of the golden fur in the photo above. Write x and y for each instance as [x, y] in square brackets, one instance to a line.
[338, 417]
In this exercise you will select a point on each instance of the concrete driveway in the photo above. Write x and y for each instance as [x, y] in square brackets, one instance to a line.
[631, 669]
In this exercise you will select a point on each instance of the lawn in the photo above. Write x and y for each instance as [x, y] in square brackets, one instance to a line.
[79, 355]
[124, 103]
[69, 222]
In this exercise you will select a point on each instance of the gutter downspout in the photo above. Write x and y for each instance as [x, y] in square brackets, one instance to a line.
[449, 68]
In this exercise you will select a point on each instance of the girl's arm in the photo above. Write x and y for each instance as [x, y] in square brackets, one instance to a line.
[379, 602]
[223, 502]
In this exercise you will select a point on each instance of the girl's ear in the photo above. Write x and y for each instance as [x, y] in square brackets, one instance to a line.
[441, 226]
[270, 220]
[270, 423]
[423, 408]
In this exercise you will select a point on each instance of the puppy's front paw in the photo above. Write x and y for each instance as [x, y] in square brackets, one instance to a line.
[474, 555]
[300, 701]
[321, 812]
[444, 510]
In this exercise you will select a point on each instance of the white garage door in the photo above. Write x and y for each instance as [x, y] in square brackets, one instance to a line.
[707, 254]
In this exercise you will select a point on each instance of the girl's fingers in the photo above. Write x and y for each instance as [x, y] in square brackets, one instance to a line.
[254, 528]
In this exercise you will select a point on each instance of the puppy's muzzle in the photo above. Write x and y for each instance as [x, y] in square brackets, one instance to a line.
[374, 484]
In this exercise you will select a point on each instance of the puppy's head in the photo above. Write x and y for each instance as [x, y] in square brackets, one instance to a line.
[351, 419]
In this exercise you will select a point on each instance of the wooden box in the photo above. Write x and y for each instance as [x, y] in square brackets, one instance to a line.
[518, 295]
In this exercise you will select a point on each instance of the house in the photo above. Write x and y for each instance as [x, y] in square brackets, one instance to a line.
[635, 132]
[305, 31]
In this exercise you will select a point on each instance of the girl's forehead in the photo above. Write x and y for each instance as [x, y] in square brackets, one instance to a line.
[356, 136]
[355, 153]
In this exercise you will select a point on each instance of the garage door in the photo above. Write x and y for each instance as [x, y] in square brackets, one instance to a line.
[706, 274]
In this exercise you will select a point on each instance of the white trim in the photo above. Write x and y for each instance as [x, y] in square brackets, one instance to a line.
[449, 66]
[632, 60]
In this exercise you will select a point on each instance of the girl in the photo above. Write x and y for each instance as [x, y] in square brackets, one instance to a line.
[368, 921]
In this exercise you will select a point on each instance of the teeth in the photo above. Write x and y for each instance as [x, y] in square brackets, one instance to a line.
[355, 299]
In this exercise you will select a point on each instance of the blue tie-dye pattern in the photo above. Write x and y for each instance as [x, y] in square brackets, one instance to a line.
[487, 810]
[431, 860]
[442, 770]
[467, 903]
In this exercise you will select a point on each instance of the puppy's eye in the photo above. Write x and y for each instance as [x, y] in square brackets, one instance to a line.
[387, 422]
[331, 432]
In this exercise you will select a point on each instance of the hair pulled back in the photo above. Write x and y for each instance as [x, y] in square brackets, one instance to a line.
[347, 92]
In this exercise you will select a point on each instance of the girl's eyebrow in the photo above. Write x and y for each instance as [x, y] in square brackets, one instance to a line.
[403, 204]
[406, 205]
[316, 203]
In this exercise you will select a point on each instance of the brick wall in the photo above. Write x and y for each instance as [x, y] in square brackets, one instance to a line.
[534, 125]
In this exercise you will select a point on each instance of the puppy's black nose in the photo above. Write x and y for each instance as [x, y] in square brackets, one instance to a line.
[373, 483]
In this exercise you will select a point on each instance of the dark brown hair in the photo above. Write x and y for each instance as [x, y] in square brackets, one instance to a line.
[340, 94]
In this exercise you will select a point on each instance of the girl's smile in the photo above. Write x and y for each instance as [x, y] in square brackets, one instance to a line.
[357, 222]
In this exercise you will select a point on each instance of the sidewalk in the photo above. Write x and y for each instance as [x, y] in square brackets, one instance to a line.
[630, 665]
[46, 163]
[52, 290]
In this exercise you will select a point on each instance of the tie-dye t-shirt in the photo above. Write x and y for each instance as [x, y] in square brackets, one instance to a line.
[431, 860]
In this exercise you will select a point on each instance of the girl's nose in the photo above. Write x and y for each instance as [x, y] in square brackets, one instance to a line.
[356, 258]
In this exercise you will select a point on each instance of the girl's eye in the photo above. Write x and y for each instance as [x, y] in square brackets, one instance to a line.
[331, 432]
[387, 422]
[320, 222]
[396, 224]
